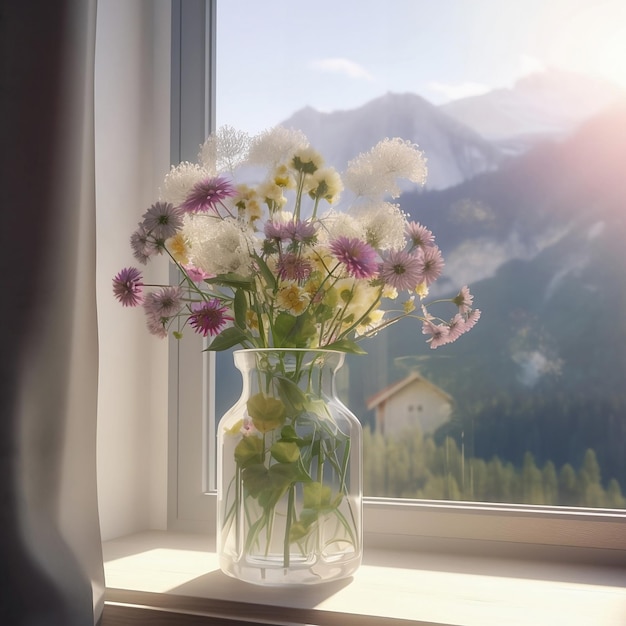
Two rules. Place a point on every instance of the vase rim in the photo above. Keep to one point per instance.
(261, 350)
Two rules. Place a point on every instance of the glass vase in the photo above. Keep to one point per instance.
(289, 472)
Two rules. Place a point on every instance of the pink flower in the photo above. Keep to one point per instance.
(464, 299)
(403, 270)
(127, 286)
(438, 333)
(207, 194)
(195, 273)
(157, 325)
(471, 319)
(432, 264)
(208, 318)
(419, 235)
(456, 327)
(358, 256)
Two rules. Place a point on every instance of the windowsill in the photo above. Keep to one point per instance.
(175, 578)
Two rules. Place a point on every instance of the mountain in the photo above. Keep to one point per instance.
(454, 152)
(543, 105)
(530, 202)
(544, 369)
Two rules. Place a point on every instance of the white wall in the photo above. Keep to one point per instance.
(132, 156)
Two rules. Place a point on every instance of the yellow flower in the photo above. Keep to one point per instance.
(307, 160)
(247, 201)
(283, 177)
(370, 322)
(321, 260)
(253, 210)
(421, 290)
(390, 292)
(325, 183)
(179, 248)
(409, 305)
(272, 194)
(252, 320)
(292, 298)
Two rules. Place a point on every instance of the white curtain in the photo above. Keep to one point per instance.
(50, 552)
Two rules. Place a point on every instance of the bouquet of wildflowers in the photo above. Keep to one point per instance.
(280, 260)
(277, 251)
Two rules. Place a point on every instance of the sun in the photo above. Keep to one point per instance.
(592, 40)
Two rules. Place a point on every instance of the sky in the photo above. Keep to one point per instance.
(275, 57)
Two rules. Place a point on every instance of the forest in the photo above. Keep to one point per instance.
(411, 465)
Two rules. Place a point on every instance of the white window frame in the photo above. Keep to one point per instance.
(542, 532)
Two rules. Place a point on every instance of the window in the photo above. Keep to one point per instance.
(514, 263)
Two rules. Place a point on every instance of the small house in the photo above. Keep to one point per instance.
(410, 402)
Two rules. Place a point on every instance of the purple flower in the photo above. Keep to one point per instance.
(301, 231)
(291, 266)
(209, 317)
(165, 302)
(207, 194)
(127, 286)
(276, 230)
(162, 220)
(358, 256)
(419, 235)
(142, 248)
(402, 270)
(432, 264)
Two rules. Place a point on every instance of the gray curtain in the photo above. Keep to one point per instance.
(50, 553)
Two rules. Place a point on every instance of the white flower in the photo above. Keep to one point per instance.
(218, 246)
(276, 146)
(335, 224)
(376, 173)
(224, 150)
(384, 224)
(180, 180)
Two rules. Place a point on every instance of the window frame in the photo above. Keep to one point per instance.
(528, 531)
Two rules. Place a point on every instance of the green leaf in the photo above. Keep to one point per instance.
(316, 496)
(255, 479)
(227, 339)
(269, 485)
(249, 451)
(346, 345)
(288, 433)
(285, 451)
(240, 307)
(266, 412)
(266, 272)
(293, 332)
(232, 280)
(291, 393)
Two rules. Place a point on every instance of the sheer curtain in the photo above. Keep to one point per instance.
(50, 551)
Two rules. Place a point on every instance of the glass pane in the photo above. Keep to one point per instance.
(520, 110)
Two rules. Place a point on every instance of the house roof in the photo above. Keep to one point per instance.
(389, 391)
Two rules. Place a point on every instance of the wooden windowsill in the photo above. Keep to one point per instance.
(173, 578)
